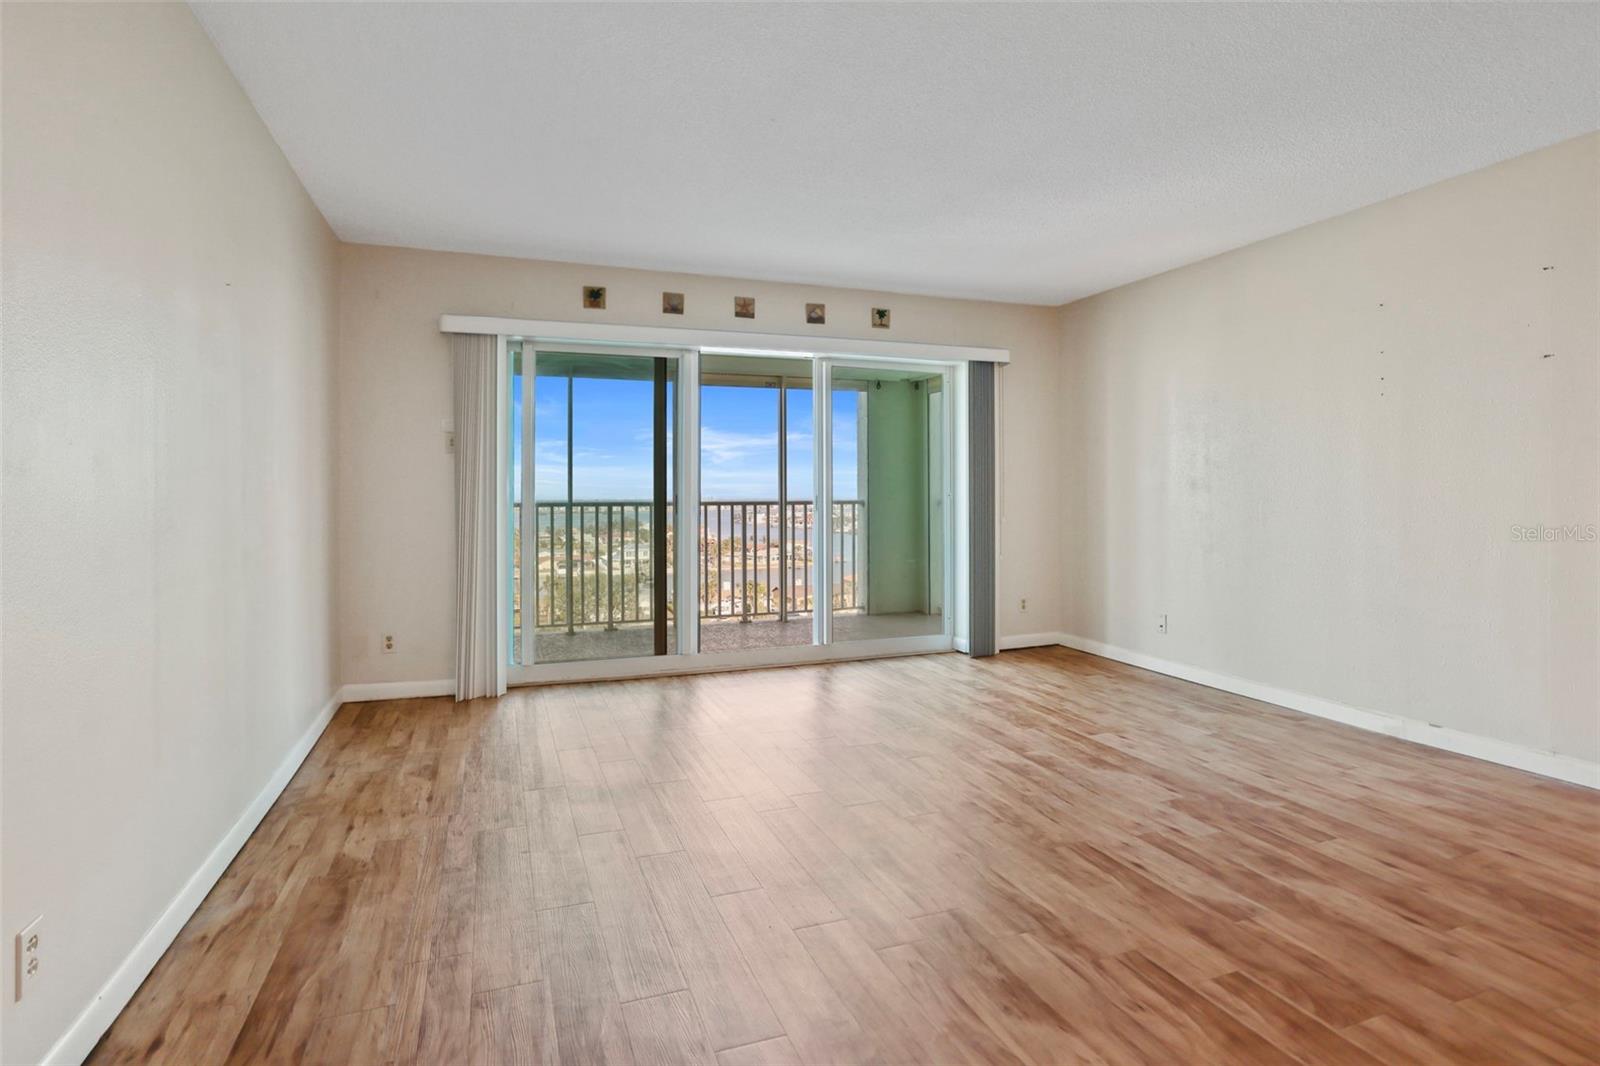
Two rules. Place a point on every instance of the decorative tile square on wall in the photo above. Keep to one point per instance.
(816, 314)
(594, 297)
(880, 318)
(672, 303)
(744, 307)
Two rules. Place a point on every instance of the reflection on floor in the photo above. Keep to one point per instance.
(730, 635)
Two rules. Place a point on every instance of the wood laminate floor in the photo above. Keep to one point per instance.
(1043, 857)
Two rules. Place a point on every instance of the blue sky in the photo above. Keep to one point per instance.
(738, 437)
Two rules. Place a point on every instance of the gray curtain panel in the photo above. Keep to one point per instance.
(981, 496)
(477, 630)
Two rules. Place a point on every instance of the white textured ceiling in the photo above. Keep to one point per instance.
(1026, 153)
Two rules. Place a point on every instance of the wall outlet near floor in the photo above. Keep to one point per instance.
(28, 948)
(1024, 606)
(386, 643)
(1161, 624)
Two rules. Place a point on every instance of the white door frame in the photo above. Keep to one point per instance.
(686, 524)
(951, 518)
(669, 342)
(822, 511)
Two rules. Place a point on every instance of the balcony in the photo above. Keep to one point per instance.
(593, 575)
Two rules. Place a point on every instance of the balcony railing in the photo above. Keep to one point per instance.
(593, 565)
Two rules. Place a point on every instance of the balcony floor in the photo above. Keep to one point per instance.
(730, 634)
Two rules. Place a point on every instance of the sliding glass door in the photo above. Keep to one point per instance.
(757, 504)
(888, 457)
(811, 507)
(592, 506)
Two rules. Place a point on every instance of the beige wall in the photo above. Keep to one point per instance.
(1311, 453)
(396, 532)
(167, 529)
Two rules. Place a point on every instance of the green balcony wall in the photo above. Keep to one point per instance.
(896, 465)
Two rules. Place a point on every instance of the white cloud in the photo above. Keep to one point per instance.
(720, 446)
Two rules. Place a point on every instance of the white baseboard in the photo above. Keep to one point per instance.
(367, 691)
(1027, 640)
(1544, 763)
(1011, 643)
(80, 1039)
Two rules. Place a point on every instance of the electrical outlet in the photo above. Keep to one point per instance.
(1024, 606)
(1161, 624)
(29, 944)
(386, 642)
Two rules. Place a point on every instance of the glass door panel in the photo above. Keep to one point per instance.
(887, 550)
(592, 557)
(757, 503)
